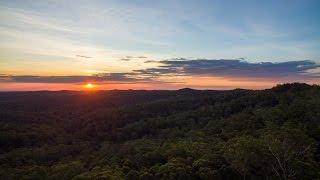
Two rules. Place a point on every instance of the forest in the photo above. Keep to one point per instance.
(161, 134)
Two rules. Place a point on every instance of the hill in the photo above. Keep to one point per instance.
(183, 134)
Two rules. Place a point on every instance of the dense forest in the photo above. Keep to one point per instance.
(183, 134)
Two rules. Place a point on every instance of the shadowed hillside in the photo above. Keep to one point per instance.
(183, 134)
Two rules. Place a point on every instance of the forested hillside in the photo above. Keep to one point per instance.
(183, 134)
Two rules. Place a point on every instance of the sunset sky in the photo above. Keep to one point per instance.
(164, 44)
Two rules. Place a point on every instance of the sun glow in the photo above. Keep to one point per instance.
(89, 86)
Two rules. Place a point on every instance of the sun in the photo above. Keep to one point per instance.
(89, 86)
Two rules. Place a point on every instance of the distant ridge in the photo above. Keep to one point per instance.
(187, 89)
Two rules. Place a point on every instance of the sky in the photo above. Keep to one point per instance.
(164, 44)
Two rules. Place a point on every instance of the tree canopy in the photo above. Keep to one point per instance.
(183, 134)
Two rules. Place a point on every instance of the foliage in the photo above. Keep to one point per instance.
(183, 134)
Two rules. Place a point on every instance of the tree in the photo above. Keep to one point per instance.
(246, 154)
(132, 175)
(291, 151)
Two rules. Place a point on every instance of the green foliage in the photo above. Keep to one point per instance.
(147, 135)
(103, 173)
(247, 155)
(66, 171)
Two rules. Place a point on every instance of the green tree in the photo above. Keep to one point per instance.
(247, 155)
(291, 151)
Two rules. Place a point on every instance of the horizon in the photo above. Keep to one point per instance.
(166, 45)
(183, 88)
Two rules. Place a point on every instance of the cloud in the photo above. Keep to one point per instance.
(150, 61)
(235, 68)
(165, 70)
(125, 59)
(158, 71)
(129, 58)
(82, 56)
(103, 77)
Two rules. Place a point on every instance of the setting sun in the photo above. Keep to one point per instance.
(89, 86)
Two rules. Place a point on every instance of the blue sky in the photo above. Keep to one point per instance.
(256, 30)
(56, 37)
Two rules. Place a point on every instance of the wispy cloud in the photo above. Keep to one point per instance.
(125, 59)
(129, 58)
(82, 56)
(234, 69)
(51, 40)
(103, 77)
